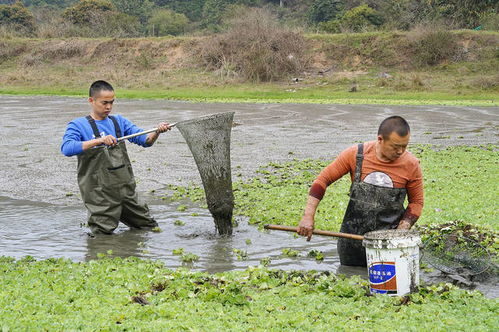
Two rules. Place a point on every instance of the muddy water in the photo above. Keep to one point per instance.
(44, 230)
(41, 211)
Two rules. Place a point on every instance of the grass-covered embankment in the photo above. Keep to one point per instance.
(132, 294)
(383, 67)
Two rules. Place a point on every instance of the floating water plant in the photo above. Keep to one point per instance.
(178, 251)
(317, 254)
(178, 222)
(240, 254)
(189, 257)
(156, 229)
(290, 252)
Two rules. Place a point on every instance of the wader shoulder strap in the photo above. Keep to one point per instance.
(93, 125)
(359, 159)
(116, 126)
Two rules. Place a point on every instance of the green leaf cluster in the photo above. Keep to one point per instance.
(130, 294)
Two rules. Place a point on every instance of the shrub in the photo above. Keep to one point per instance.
(332, 26)
(97, 18)
(83, 12)
(361, 18)
(432, 46)
(255, 48)
(166, 22)
(17, 17)
(358, 19)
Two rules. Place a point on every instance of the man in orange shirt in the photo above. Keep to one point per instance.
(382, 174)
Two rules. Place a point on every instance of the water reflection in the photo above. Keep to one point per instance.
(122, 244)
(219, 255)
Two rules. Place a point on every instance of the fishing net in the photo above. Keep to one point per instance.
(455, 254)
(208, 139)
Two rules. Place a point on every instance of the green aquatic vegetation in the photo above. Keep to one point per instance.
(178, 222)
(248, 241)
(288, 252)
(178, 251)
(265, 261)
(135, 294)
(457, 187)
(156, 229)
(451, 238)
(182, 208)
(240, 254)
(317, 254)
(189, 257)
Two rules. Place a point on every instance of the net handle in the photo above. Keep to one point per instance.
(143, 133)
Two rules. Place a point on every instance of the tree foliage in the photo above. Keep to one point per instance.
(142, 9)
(361, 18)
(166, 22)
(325, 10)
(83, 11)
(193, 9)
(17, 16)
(56, 4)
(214, 11)
(463, 13)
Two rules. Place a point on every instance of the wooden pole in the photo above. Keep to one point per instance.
(316, 231)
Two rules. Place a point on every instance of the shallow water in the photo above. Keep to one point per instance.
(44, 230)
(41, 213)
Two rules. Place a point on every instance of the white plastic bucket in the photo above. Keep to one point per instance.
(392, 261)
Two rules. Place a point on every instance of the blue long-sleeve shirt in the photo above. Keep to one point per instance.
(79, 130)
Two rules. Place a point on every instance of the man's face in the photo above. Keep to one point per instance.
(102, 104)
(393, 147)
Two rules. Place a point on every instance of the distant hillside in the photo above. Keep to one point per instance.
(373, 63)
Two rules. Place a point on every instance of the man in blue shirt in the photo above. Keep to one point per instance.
(105, 174)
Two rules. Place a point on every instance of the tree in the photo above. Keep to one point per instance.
(100, 18)
(213, 12)
(325, 10)
(463, 13)
(361, 18)
(17, 16)
(166, 22)
(193, 9)
(142, 9)
(83, 11)
(49, 3)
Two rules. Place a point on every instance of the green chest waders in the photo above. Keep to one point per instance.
(107, 187)
(370, 208)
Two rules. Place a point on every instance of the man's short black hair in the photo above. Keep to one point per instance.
(394, 124)
(99, 86)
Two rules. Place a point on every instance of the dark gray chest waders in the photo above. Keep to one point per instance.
(370, 208)
(107, 187)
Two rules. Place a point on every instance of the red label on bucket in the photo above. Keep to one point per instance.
(383, 278)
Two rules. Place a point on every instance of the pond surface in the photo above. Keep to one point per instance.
(41, 213)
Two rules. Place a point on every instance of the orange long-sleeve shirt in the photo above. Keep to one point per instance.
(404, 172)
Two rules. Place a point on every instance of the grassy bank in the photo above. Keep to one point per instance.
(133, 294)
(380, 67)
(278, 94)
